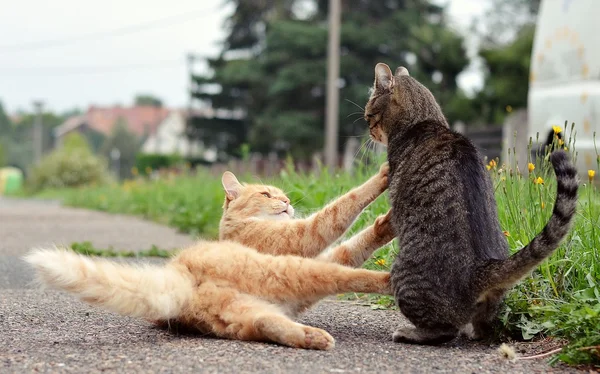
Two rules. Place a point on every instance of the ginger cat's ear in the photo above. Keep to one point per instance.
(400, 71)
(231, 185)
(384, 80)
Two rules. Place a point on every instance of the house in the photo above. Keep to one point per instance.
(170, 136)
(98, 122)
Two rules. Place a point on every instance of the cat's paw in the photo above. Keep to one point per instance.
(383, 226)
(315, 338)
(383, 174)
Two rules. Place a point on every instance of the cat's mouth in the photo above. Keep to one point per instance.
(287, 212)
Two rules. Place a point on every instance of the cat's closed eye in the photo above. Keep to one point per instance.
(266, 194)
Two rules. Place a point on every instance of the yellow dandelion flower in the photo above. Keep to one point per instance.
(506, 233)
(530, 167)
(557, 129)
(380, 262)
(488, 167)
(493, 163)
(543, 205)
(538, 180)
(591, 174)
(561, 142)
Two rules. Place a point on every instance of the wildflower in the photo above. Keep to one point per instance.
(538, 180)
(530, 167)
(561, 142)
(380, 262)
(493, 163)
(543, 205)
(509, 108)
(506, 233)
(557, 129)
(591, 174)
(488, 167)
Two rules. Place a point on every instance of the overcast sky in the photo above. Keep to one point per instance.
(95, 56)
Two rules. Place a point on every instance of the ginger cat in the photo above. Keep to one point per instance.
(231, 290)
(261, 217)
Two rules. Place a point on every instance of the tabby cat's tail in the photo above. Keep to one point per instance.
(151, 292)
(504, 274)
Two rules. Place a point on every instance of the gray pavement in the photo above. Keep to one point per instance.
(49, 331)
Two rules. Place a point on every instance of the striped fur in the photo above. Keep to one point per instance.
(453, 268)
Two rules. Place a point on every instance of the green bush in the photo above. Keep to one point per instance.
(71, 165)
(155, 161)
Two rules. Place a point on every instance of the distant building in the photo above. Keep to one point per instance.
(98, 122)
(170, 136)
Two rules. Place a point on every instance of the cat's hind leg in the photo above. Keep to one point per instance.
(425, 336)
(233, 315)
(484, 319)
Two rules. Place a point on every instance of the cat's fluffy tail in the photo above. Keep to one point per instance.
(504, 274)
(152, 292)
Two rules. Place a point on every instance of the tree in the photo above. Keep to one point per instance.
(506, 80)
(5, 133)
(5, 123)
(128, 145)
(20, 148)
(506, 45)
(147, 100)
(279, 80)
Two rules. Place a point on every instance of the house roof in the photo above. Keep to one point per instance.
(140, 120)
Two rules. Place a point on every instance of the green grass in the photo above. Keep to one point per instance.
(88, 249)
(561, 299)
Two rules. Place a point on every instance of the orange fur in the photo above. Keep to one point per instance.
(266, 223)
(257, 221)
(236, 291)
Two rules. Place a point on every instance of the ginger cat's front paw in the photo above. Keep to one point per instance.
(383, 226)
(382, 176)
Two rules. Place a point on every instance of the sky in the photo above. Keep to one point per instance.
(73, 53)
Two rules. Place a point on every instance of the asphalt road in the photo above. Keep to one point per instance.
(49, 331)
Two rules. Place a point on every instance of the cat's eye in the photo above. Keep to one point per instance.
(370, 115)
(266, 194)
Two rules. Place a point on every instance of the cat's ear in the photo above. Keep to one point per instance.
(400, 71)
(383, 77)
(231, 185)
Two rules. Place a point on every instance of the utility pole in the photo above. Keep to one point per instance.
(333, 74)
(37, 131)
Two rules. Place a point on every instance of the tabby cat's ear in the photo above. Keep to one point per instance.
(231, 185)
(383, 77)
(400, 71)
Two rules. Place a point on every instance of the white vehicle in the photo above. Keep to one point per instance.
(565, 76)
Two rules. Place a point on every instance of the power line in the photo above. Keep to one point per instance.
(74, 70)
(150, 25)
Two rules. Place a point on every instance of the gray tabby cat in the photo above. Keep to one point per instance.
(453, 268)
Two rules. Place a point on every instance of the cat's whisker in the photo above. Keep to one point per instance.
(353, 122)
(358, 106)
(351, 114)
